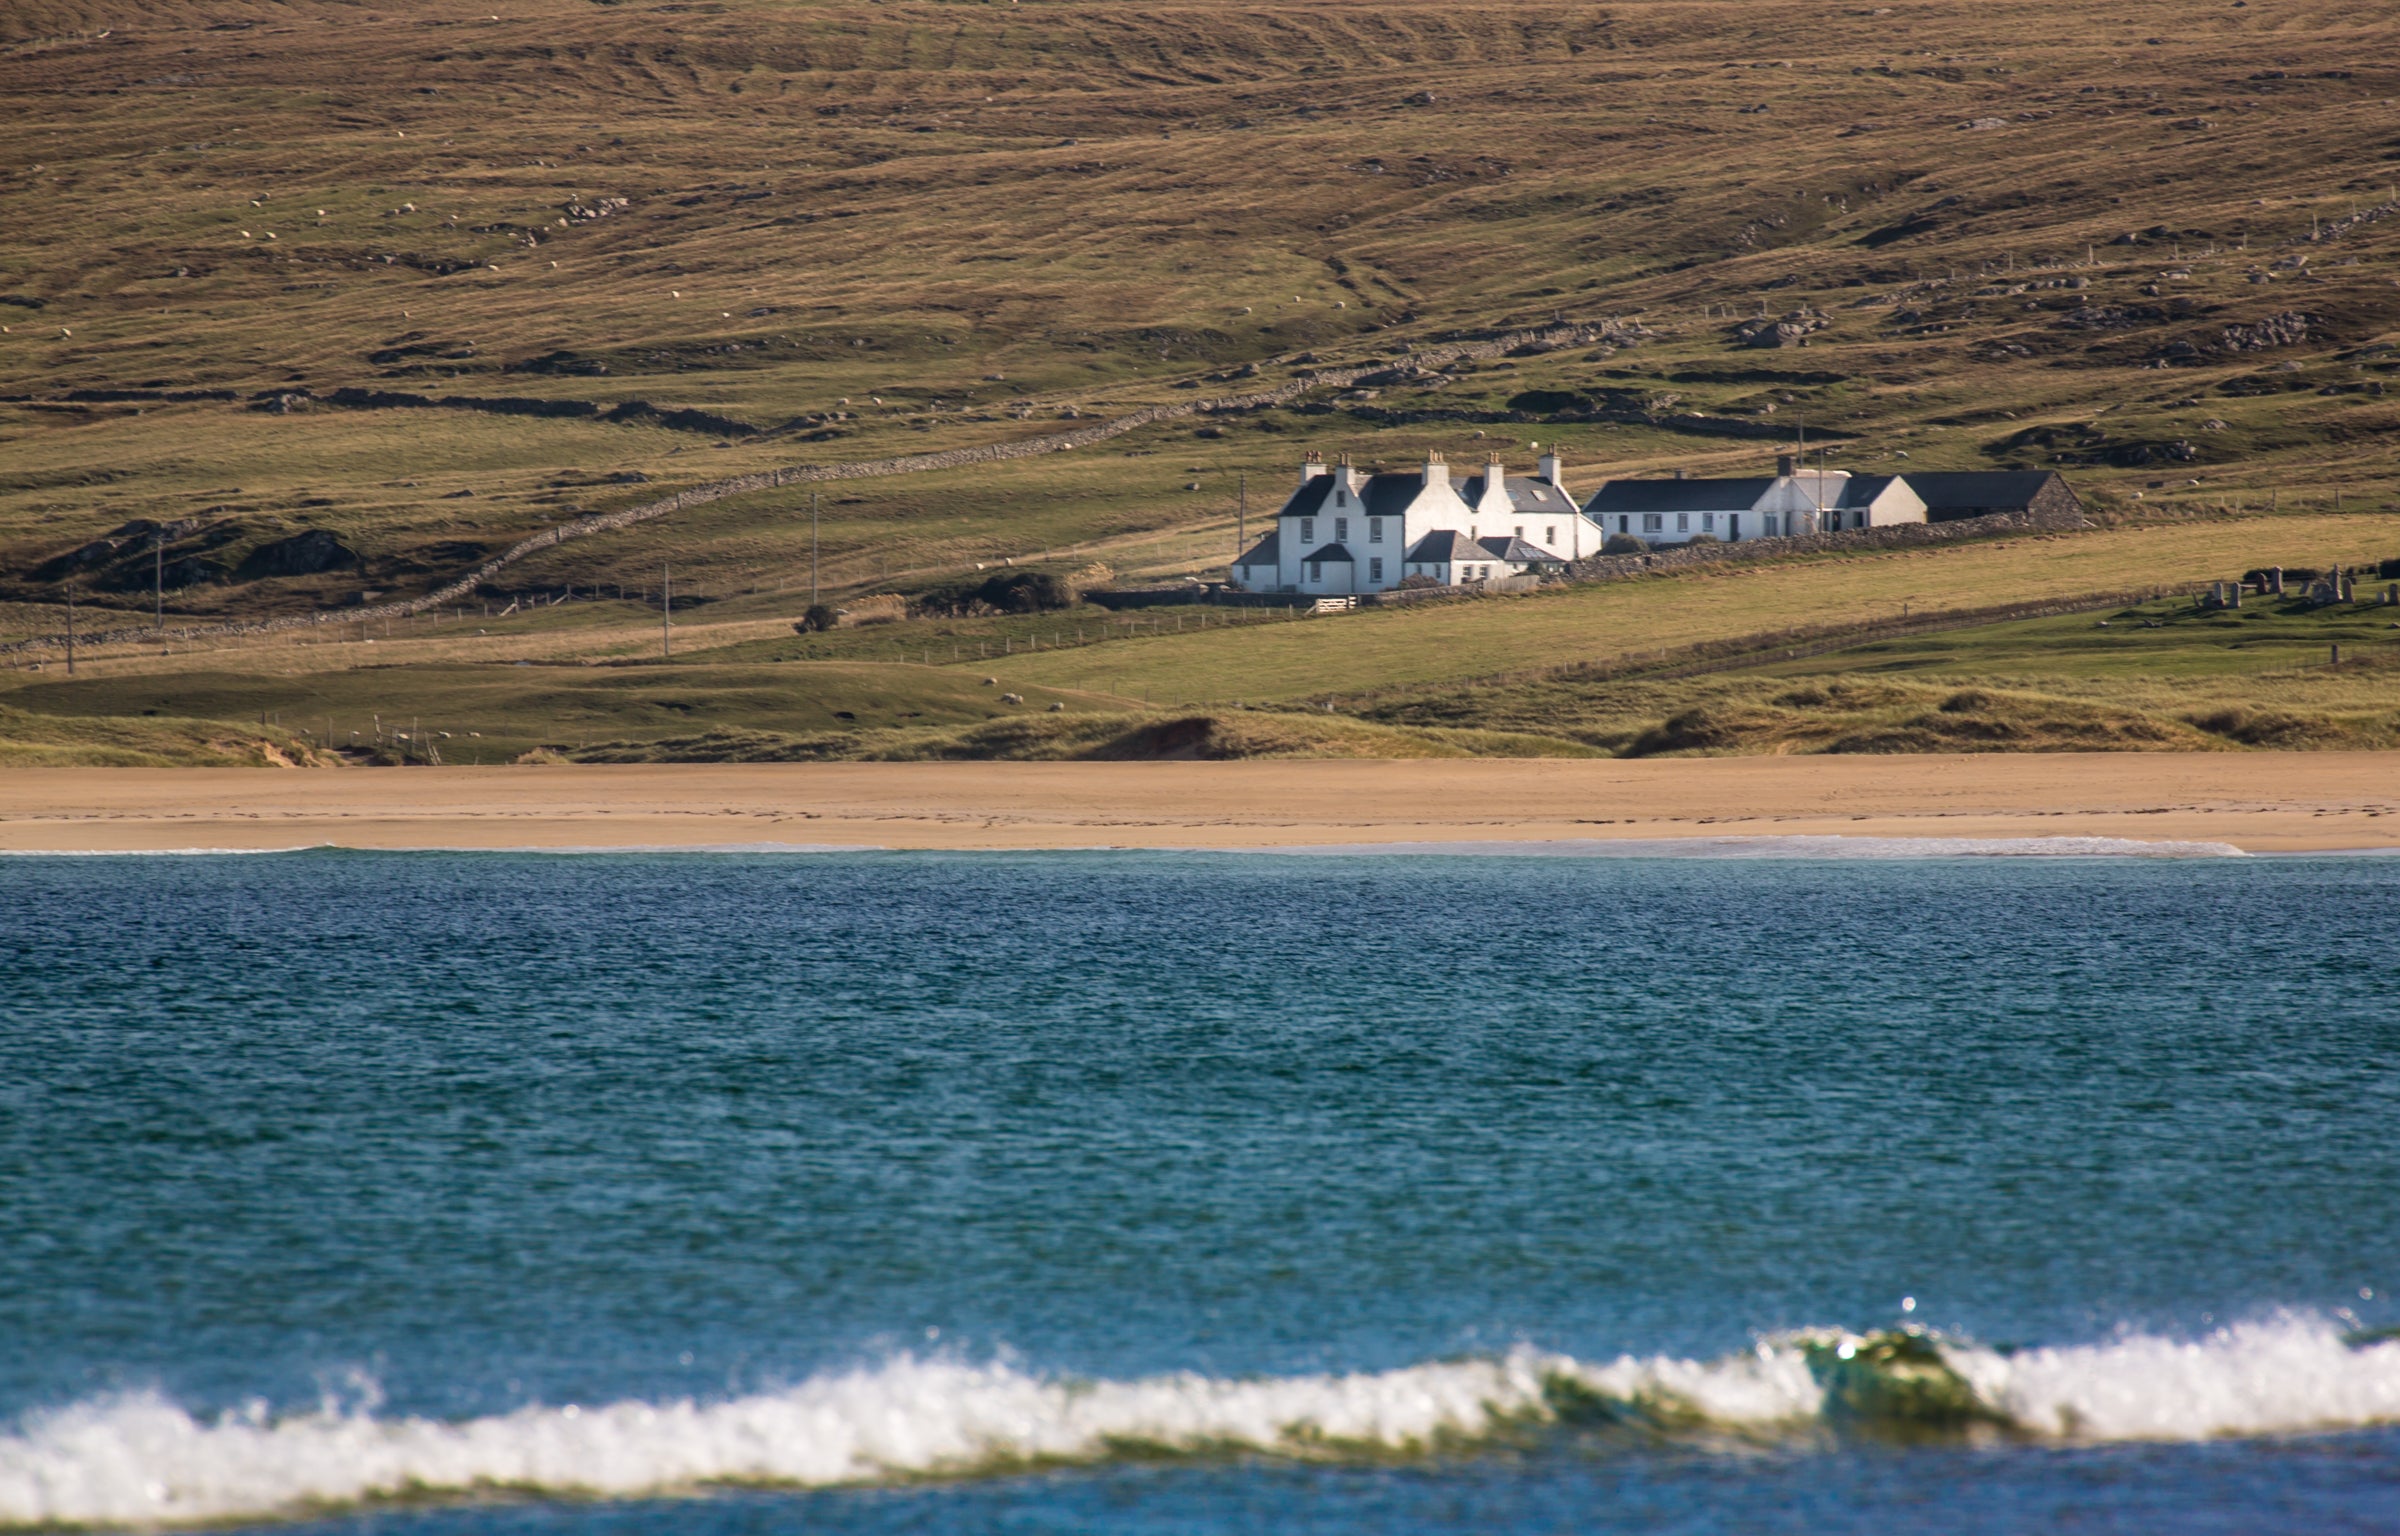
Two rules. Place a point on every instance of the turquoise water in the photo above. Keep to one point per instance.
(1194, 1192)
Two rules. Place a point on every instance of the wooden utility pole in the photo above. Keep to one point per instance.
(812, 549)
(158, 579)
(1241, 527)
(70, 631)
(666, 613)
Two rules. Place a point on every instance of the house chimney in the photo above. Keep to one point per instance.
(1786, 465)
(1679, 474)
(1311, 467)
(1494, 497)
(1437, 470)
(1547, 467)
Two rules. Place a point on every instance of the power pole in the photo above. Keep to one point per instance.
(70, 631)
(158, 579)
(1241, 527)
(666, 613)
(812, 549)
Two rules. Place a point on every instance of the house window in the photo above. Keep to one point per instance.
(1375, 569)
(1683, 522)
(1341, 529)
(1708, 520)
(1308, 530)
(1520, 530)
(1773, 524)
(1374, 530)
(1550, 535)
(1652, 522)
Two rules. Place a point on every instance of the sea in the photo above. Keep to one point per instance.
(1758, 1186)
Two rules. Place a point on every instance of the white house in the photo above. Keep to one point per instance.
(1343, 532)
(1794, 501)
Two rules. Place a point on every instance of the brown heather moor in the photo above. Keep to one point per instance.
(881, 229)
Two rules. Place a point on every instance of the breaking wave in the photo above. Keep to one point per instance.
(143, 1461)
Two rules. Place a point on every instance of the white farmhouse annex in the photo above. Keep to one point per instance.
(1794, 501)
(1343, 532)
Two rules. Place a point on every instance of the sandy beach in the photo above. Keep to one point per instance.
(2259, 802)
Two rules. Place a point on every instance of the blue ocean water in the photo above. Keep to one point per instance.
(1194, 1192)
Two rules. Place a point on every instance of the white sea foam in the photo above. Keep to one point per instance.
(2286, 1376)
(144, 1461)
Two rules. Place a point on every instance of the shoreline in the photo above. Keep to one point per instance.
(2256, 802)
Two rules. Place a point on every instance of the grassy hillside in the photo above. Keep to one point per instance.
(569, 256)
(887, 227)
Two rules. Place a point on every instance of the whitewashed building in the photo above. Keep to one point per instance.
(1342, 532)
(1793, 501)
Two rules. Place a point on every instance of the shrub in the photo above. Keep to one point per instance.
(1417, 581)
(1625, 544)
(1009, 591)
(819, 618)
(1703, 538)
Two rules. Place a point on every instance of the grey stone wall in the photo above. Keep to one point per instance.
(1901, 536)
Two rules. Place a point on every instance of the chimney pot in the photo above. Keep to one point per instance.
(1786, 464)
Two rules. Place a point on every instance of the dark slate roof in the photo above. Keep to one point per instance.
(1518, 550)
(1267, 551)
(1525, 493)
(1861, 490)
(1312, 494)
(1389, 495)
(1332, 554)
(1378, 496)
(1979, 488)
(1678, 496)
(1445, 544)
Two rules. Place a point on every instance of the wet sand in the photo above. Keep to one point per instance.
(2257, 801)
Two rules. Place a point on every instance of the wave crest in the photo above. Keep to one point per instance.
(144, 1461)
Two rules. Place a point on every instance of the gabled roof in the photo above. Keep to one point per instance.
(1331, 554)
(1519, 551)
(1525, 494)
(1313, 493)
(1378, 496)
(1445, 544)
(1678, 495)
(1979, 488)
(1267, 551)
(1861, 490)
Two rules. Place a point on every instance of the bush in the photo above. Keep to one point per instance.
(819, 618)
(1009, 591)
(2388, 570)
(1417, 582)
(1703, 538)
(1625, 544)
